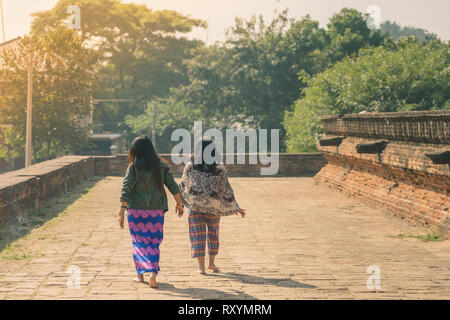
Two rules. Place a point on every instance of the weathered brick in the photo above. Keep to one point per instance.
(291, 165)
(402, 178)
(27, 189)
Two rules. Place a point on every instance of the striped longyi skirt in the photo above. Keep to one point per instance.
(146, 230)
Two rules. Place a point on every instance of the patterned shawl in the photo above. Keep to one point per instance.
(208, 192)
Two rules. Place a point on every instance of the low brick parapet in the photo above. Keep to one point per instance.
(24, 190)
(400, 176)
(430, 127)
(28, 189)
(290, 165)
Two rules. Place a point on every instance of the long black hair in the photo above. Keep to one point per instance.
(200, 146)
(142, 155)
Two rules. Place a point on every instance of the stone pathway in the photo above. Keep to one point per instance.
(299, 241)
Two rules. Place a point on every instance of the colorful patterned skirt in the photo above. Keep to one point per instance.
(146, 229)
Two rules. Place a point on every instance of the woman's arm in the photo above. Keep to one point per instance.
(170, 183)
(123, 207)
(125, 196)
(126, 186)
(179, 208)
(241, 211)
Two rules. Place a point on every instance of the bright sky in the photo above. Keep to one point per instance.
(431, 15)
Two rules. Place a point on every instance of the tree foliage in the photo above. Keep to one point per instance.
(142, 52)
(170, 115)
(281, 74)
(348, 33)
(252, 78)
(397, 31)
(62, 86)
(408, 76)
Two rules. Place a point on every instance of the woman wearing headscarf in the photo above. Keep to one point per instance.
(208, 195)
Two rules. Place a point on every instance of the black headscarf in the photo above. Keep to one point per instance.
(200, 147)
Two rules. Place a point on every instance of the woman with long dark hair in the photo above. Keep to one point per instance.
(144, 197)
(208, 195)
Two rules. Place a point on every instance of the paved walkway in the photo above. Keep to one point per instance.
(299, 241)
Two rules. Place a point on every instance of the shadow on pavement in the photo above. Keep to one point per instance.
(17, 229)
(250, 279)
(203, 293)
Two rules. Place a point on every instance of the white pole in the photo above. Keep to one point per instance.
(28, 147)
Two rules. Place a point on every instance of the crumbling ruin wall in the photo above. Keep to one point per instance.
(397, 161)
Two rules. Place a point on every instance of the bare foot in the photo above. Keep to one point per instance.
(201, 271)
(139, 278)
(214, 268)
(152, 282)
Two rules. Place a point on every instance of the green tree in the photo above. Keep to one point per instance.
(250, 80)
(170, 115)
(11, 143)
(406, 77)
(142, 51)
(253, 78)
(62, 86)
(266, 62)
(348, 33)
(397, 31)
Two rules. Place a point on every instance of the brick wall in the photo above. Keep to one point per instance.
(291, 165)
(24, 190)
(27, 189)
(401, 178)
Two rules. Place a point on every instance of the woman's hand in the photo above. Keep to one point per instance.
(123, 207)
(241, 212)
(121, 219)
(179, 210)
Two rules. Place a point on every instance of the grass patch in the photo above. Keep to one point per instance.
(430, 237)
(45, 217)
(402, 236)
(12, 252)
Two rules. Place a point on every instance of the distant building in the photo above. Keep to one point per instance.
(105, 144)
